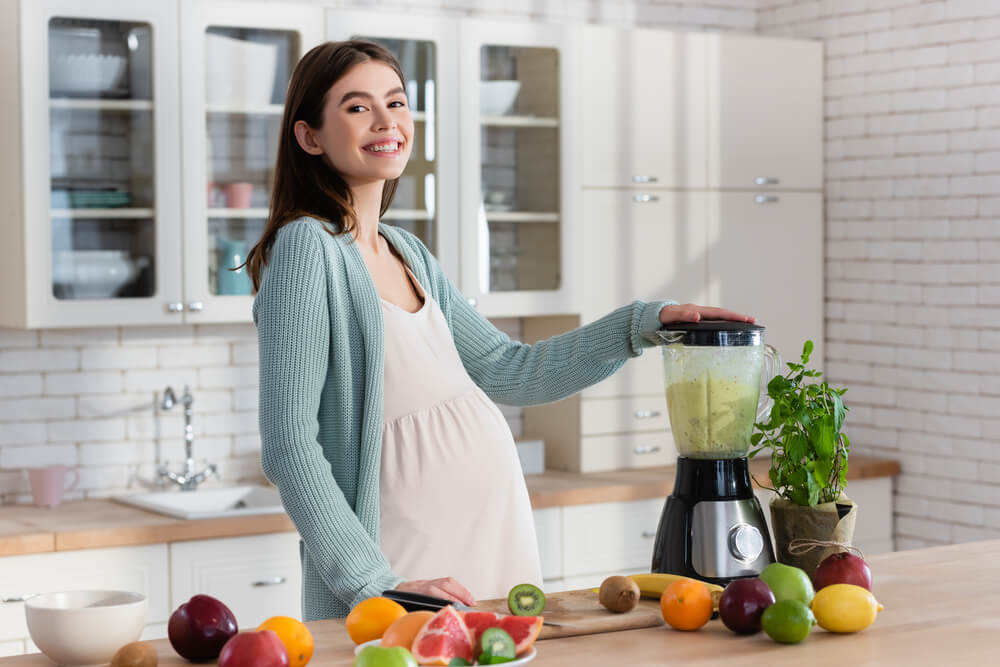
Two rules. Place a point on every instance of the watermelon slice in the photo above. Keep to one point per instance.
(522, 629)
(443, 637)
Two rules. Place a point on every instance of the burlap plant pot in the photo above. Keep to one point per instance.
(831, 523)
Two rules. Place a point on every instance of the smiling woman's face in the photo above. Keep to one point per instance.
(367, 125)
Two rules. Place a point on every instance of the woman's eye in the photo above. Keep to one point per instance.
(356, 108)
(397, 104)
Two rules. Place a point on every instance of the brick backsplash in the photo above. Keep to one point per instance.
(912, 174)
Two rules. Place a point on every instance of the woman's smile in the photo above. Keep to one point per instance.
(389, 148)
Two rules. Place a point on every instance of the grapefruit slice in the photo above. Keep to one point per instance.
(443, 637)
(522, 629)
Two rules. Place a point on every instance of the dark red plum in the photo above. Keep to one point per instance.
(743, 603)
(199, 628)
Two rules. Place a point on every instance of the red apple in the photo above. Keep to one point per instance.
(743, 603)
(254, 649)
(842, 568)
(200, 627)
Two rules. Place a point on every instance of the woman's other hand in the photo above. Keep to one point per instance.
(689, 312)
(446, 588)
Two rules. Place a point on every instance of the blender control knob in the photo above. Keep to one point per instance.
(745, 542)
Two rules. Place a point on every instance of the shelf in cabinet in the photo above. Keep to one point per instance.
(100, 105)
(519, 121)
(407, 214)
(521, 216)
(247, 110)
(238, 212)
(419, 116)
(117, 213)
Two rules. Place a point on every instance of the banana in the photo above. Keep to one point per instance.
(652, 584)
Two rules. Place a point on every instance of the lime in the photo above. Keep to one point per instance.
(787, 621)
(377, 656)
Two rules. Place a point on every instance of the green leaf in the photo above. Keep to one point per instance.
(821, 437)
(807, 351)
(797, 448)
(839, 411)
(813, 493)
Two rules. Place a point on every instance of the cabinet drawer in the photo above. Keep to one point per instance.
(623, 415)
(138, 569)
(605, 537)
(257, 577)
(626, 450)
(548, 529)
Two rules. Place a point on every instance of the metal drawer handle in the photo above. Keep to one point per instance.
(643, 199)
(648, 534)
(15, 598)
(646, 450)
(645, 179)
(273, 581)
(647, 414)
(175, 307)
(766, 180)
(765, 199)
(196, 306)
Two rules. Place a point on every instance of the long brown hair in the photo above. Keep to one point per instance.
(307, 184)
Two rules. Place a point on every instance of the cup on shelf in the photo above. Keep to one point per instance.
(213, 193)
(232, 253)
(238, 195)
(48, 484)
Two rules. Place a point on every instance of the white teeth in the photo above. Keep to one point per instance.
(384, 148)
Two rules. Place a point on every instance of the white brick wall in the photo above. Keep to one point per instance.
(913, 278)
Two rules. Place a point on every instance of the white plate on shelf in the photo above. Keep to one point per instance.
(524, 659)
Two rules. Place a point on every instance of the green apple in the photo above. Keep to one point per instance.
(788, 583)
(378, 656)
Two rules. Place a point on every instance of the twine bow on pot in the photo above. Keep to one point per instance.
(803, 545)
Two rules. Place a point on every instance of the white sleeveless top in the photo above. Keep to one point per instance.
(453, 498)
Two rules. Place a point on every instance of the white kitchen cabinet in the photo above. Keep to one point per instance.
(518, 144)
(257, 577)
(765, 112)
(426, 200)
(548, 531)
(141, 569)
(644, 107)
(602, 537)
(765, 257)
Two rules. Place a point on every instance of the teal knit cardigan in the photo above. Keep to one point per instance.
(319, 323)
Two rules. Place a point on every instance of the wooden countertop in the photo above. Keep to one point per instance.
(940, 608)
(90, 524)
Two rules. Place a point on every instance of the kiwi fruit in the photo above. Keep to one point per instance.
(619, 594)
(136, 654)
(526, 600)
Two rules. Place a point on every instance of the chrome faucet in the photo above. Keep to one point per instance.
(188, 479)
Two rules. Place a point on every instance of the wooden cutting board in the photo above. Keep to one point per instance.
(579, 613)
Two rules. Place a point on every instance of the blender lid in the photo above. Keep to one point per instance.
(709, 333)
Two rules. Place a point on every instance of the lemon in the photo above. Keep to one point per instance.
(845, 608)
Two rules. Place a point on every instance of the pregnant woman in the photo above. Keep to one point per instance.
(377, 378)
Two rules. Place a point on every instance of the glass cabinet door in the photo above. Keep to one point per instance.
(520, 166)
(102, 194)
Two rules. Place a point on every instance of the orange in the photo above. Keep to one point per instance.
(405, 628)
(686, 604)
(370, 618)
(294, 634)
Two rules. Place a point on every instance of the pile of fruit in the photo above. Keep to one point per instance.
(445, 637)
(783, 601)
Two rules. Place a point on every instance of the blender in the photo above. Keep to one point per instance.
(712, 527)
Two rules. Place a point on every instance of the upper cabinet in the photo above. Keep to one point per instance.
(89, 163)
(425, 202)
(765, 112)
(236, 62)
(643, 96)
(518, 167)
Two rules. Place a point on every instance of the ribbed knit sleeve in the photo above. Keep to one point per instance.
(292, 312)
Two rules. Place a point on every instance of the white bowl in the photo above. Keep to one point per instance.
(497, 97)
(239, 72)
(84, 627)
(85, 72)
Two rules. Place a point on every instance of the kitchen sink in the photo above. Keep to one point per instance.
(208, 503)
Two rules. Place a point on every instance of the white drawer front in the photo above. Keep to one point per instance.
(609, 537)
(626, 450)
(642, 375)
(140, 569)
(548, 529)
(604, 416)
(256, 577)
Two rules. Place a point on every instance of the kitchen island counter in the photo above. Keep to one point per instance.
(940, 608)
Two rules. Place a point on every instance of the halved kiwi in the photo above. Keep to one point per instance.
(496, 643)
(526, 600)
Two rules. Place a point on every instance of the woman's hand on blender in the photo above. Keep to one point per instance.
(445, 587)
(690, 312)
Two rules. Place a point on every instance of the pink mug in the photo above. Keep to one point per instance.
(238, 195)
(49, 484)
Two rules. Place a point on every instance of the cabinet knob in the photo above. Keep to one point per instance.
(642, 199)
(270, 581)
(648, 534)
(646, 414)
(196, 306)
(766, 199)
(766, 180)
(645, 179)
(175, 307)
(473, 301)
(646, 450)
